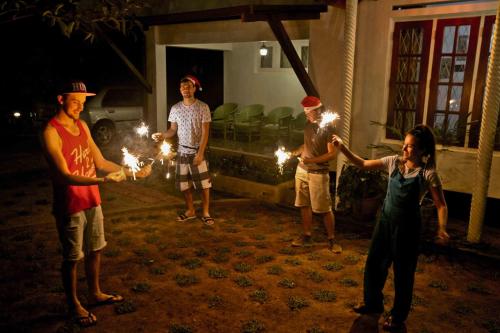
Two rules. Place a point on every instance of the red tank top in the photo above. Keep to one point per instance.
(70, 199)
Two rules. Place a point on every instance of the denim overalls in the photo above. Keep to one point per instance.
(395, 240)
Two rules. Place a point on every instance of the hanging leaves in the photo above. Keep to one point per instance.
(71, 15)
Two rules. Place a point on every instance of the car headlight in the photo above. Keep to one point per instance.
(16, 114)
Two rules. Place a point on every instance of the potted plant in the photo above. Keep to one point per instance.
(361, 191)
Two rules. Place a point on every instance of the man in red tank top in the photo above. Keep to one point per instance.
(73, 158)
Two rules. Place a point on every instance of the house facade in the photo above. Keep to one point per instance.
(415, 61)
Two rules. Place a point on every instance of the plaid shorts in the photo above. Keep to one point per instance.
(188, 175)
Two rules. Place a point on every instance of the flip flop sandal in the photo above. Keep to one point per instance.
(85, 321)
(207, 220)
(184, 218)
(112, 299)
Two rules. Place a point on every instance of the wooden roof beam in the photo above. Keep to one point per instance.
(287, 47)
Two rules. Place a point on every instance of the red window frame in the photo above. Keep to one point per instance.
(393, 83)
(467, 81)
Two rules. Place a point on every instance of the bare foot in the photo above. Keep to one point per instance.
(104, 299)
(82, 317)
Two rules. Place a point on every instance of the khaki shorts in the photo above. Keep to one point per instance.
(81, 233)
(313, 189)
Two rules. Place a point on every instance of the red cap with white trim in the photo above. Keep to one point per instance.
(193, 80)
(310, 103)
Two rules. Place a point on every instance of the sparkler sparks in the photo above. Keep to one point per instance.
(281, 157)
(142, 130)
(328, 118)
(131, 161)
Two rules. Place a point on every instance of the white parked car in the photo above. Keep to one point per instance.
(113, 110)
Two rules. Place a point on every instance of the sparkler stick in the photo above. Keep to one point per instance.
(142, 130)
(282, 156)
(328, 118)
(131, 161)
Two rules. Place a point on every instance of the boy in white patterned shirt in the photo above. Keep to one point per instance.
(190, 121)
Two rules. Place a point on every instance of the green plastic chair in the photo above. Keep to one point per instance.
(277, 123)
(222, 118)
(248, 120)
(297, 127)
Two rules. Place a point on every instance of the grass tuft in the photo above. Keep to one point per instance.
(253, 326)
(287, 283)
(185, 280)
(242, 267)
(215, 301)
(124, 307)
(243, 281)
(192, 263)
(178, 328)
(315, 276)
(333, 266)
(259, 295)
(218, 273)
(141, 287)
(348, 282)
(296, 303)
(325, 296)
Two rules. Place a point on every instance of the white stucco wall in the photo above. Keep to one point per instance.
(245, 83)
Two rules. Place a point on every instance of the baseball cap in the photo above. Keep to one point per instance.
(75, 87)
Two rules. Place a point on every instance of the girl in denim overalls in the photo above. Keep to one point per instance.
(396, 236)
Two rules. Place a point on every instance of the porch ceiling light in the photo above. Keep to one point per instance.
(263, 50)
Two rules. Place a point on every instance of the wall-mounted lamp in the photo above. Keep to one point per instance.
(263, 50)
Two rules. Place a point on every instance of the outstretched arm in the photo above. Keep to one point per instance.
(355, 159)
(171, 132)
(110, 167)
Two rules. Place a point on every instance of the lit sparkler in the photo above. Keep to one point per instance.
(142, 130)
(282, 156)
(131, 161)
(328, 118)
(165, 151)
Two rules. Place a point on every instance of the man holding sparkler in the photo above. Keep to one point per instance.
(312, 181)
(73, 157)
(190, 121)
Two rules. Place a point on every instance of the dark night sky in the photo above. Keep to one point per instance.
(35, 58)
